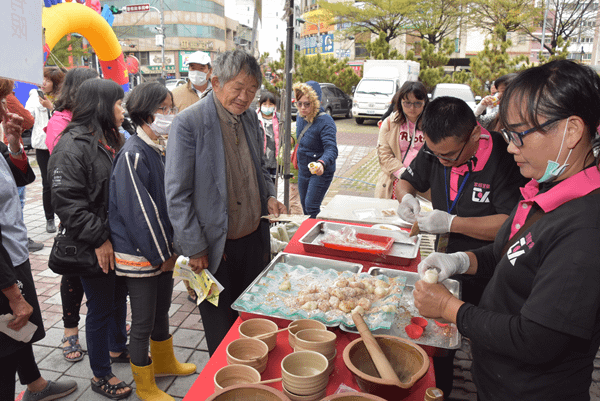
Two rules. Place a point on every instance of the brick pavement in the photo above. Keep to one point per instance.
(357, 171)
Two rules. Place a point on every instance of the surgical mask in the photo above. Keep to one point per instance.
(267, 110)
(553, 169)
(197, 78)
(162, 124)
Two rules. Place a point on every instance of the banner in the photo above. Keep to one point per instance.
(21, 32)
(308, 45)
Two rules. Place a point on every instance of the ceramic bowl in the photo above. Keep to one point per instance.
(331, 363)
(231, 375)
(302, 324)
(296, 397)
(321, 341)
(305, 372)
(409, 361)
(353, 397)
(254, 392)
(255, 327)
(248, 351)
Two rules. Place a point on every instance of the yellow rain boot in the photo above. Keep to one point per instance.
(165, 363)
(145, 386)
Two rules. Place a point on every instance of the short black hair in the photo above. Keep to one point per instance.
(448, 116)
(266, 96)
(144, 100)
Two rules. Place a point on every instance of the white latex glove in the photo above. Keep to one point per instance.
(435, 222)
(409, 208)
(448, 264)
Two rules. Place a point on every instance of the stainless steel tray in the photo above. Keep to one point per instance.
(295, 260)
(435, 336)
(400, 253)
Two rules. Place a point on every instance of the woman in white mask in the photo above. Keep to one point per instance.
(143, 237)
(269, 122)
(536, 330)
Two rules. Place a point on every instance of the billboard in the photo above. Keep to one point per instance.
(308, 45)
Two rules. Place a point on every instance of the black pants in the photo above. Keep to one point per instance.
(71, 294)
(42, 156)
(150, 299)
(242, 262)
(21, 362)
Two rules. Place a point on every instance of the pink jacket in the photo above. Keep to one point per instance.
(275, 132)
(58, 122)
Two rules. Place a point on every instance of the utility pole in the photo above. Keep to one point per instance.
(289, 65)
(163, 74)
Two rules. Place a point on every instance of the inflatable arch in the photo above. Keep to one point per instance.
(64, 18)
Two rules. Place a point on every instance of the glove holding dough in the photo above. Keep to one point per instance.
(409, 208)
(435, 222)
(447, 264)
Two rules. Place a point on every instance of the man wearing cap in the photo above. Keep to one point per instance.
(198, 81)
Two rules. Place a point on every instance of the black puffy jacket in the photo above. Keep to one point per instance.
(79, 170)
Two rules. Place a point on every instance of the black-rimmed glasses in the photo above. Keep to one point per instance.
(449, 159)
(517, 137)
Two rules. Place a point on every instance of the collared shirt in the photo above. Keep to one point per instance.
(158, 145)
(14, 232)
(491, 188)
(243, 207)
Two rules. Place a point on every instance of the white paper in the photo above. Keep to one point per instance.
(24, 335)
(22, 48)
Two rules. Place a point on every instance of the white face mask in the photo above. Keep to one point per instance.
(267, 110)
(197, 78)
(162, 124)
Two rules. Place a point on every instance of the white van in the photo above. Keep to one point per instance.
(381, 80)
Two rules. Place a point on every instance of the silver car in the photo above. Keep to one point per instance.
(461, 91)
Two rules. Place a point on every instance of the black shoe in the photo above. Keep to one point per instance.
(34, 246)
(50, 226)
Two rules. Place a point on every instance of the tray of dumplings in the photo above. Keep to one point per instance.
(408, 323)
(304, 287)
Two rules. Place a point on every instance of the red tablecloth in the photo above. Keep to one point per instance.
(204, 384)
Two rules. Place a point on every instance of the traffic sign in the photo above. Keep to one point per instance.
(137, 7)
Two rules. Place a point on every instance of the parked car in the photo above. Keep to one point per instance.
(174, 83)
(460, 91)
(334, 101)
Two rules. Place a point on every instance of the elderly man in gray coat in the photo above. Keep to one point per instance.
(218, 187)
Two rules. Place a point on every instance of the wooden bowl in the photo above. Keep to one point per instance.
(302, 324)
(410, 362)
(305, 372)
(254, 327)
(231, 375)
(296, 397)
(321, 341)
(248, 351)
(255, 392)
(353, 397)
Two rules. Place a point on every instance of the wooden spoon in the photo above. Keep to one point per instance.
(379, 359)
(272, 332)
(269, 381)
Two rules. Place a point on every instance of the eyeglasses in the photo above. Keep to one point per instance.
(449, 159)
(303, 104)
(416, 105)
(517, 137)
(168, 110)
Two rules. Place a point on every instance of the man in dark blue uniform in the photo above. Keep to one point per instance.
(474, 186)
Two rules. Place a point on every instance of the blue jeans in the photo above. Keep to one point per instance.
(105, 320)
(312, 189)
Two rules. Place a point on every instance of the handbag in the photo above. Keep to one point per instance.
(72, 257)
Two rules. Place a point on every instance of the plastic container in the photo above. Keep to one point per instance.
(379, 241)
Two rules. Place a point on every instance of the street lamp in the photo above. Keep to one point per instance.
(303, 21)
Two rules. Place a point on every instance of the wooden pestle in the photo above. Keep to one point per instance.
(379, 359)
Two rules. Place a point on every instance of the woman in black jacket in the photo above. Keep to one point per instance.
(79, 169)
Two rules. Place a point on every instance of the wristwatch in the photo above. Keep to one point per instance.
(17, 153)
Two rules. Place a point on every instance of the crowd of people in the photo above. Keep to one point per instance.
(515, 197)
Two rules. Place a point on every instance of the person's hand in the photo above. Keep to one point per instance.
(275, 207)
(46, 103)
(409, 208)
(198, 264)
(106, 256)
(431, 299)
(11, 124)
(448, 264)
(169, 264)
(316, 168)
(20, 307)
(435, 222)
